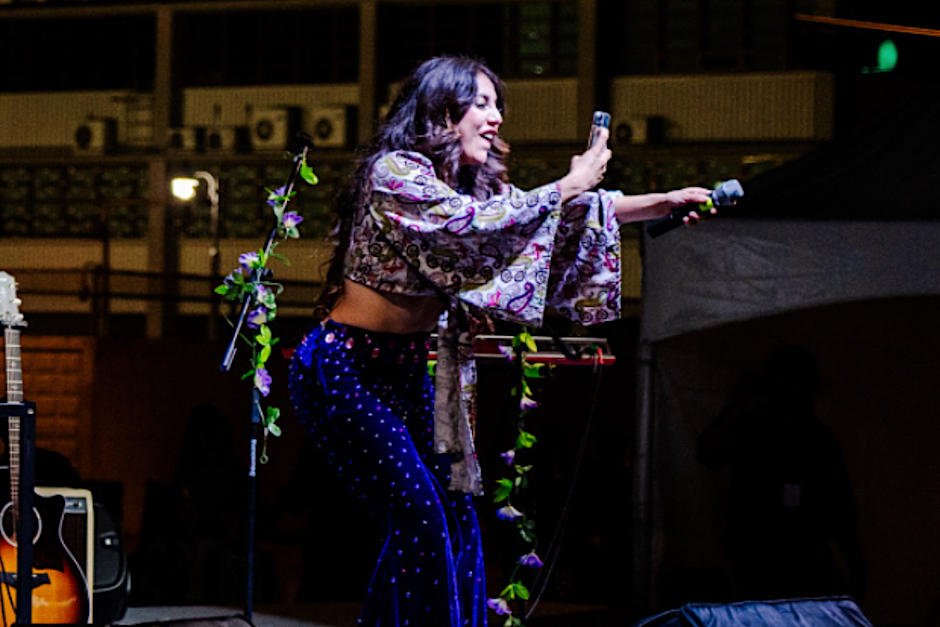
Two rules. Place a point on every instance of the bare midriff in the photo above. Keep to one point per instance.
(385, 312)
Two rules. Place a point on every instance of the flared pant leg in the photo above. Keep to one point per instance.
(368, 402)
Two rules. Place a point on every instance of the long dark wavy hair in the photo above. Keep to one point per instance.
(423, 118)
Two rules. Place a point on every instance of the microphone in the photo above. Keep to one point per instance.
(724, 195)
(600, 119)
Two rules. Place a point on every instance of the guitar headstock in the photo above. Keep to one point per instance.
(10, 315)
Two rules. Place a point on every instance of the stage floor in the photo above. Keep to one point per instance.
(313, 615)
(343, 615)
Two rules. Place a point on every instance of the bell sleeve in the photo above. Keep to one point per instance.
(584, 283)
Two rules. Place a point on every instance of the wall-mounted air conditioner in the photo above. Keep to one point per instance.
(273, 128)
(186, 139)
(331, 126)
(95, 136)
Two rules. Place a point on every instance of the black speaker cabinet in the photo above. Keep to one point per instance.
(818, 612)
(112, 578)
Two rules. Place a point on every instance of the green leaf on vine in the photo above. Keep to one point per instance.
(533, 371)
(529, 342)
(525, 440)
(271, 416)
(503, 490)
(515, 590)
(307, 174)
(281, 257)
(263, 355)
(524, 338)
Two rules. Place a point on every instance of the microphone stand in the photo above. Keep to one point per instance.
(258, 275)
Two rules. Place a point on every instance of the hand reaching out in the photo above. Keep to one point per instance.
(691, 196)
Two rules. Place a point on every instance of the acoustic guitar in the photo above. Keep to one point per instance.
(60, 593)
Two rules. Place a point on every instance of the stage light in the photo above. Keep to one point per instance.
(184, 188)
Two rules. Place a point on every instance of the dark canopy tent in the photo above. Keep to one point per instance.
(836, 252)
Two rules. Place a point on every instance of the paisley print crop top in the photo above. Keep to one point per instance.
(511, 254)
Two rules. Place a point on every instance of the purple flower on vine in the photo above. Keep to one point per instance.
(257, 317)
(263, 381)
(507, 352)
(526, 403)
(265, 297)
(274, 198)
(292, 219)
(509, 456)
(531, 560)
(508, 512)
(230, 277)
(248, 260)
(500, 606)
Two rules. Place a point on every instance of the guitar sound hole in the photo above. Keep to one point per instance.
(8, 528)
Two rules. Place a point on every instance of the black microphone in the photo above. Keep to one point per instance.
(724, 195)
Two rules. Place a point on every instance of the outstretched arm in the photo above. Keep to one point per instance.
(658, 205)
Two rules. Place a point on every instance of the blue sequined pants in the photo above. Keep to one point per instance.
(367, 401)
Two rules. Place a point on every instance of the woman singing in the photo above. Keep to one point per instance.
(431, 234)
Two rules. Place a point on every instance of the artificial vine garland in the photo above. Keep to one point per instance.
(250, 280)
(516, 593)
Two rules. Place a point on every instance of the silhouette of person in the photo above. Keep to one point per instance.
(192, 538)
(791, 528)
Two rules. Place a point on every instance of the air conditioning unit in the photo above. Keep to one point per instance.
(331, 127)
(186, 139)
(96, 136)
(272, 129)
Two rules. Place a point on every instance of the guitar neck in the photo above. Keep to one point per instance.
(14, 375)
(13, 365)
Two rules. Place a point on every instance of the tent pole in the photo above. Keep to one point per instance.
(642, 489)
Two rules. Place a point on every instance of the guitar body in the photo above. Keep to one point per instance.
(64, 599)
